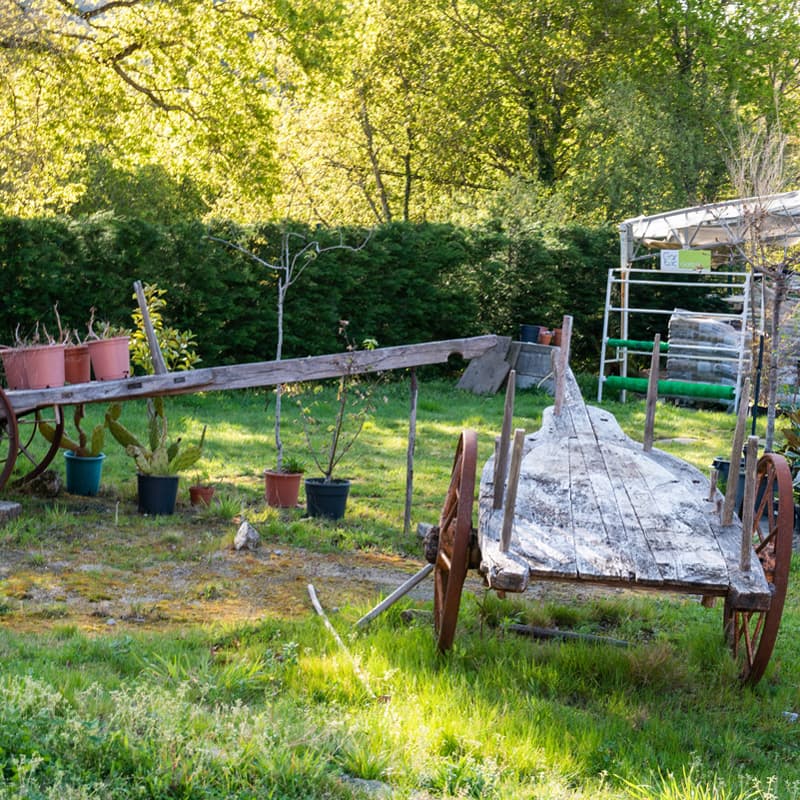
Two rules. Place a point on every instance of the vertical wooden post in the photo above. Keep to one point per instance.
(412, 441)
(159, 367)
(501, 458)
(562, 364)
(749, 501)
(736, 455)
(511, 495)
(712, 483)
(652, 394)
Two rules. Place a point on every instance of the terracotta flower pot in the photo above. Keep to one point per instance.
(14, 367)
(545, 336)
(77, 364)
(200, 495)
(281, 489)
(556, 342)
(111, 359)
(44, 366)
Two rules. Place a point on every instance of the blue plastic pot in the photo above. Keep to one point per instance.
(529, 333)
(83, 473)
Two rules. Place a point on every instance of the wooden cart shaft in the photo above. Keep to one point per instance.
(258, 374)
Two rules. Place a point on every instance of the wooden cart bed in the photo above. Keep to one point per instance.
(593, 506)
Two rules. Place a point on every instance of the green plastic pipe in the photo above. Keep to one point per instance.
(681, 388)
(637, 344)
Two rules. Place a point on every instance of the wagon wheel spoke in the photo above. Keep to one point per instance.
(35, 453)
(455, 528)
(752, 634)
(9, 439)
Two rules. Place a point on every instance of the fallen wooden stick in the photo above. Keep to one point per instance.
(401, 590)
(356, 667)
(554, 633)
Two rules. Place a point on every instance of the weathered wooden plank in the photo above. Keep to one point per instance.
(681, 543)
(605, 526)
(746, 590)
(542, 516)
(262, 373)
(486, 373)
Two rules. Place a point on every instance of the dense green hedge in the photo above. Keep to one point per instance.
(410, 283)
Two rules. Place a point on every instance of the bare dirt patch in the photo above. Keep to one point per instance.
(224, 586)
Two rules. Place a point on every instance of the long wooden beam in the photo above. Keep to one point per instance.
(261, 373)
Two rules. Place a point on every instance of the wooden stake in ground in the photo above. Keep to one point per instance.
(511, 494)
(159, 367)
(736, 456)
(501, 456)
(412, 443)
(652, 395)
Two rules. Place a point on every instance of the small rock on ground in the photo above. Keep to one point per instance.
(247, 537)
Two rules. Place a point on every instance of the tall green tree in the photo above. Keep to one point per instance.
(178, 95)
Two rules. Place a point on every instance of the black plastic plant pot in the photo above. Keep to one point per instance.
(326, 499)
(157, 493)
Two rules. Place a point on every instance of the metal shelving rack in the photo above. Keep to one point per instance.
(621, 288)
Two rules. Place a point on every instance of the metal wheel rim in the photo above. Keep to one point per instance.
(752, 634)
(25, 454)
(9, 439)
(455, 528)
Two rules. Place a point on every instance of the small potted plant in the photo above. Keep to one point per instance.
(282, 484)
(77, 362)
(201, 490)
(36, 362)
(159, 461)
(109, 350)
(84, 455)
(329, 442)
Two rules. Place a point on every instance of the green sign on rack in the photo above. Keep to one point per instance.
(689, 260)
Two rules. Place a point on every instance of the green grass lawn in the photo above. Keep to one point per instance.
(212, 706)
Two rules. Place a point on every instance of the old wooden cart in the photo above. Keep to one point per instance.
(22, 410)
(580, 501)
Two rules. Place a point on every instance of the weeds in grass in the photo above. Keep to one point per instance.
(224, 505)
(686, 787)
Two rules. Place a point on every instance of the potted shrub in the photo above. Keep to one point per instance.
(158, 462)
(282, 485)
(297, 251)
(329, 442)
(77, 362)
(84, 455)
(109, 350)
(36, 362)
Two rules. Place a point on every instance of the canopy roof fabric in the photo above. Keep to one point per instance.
(775, 219)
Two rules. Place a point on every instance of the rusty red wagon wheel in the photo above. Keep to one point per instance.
(9, 439)
(35, 453)
(752, 634)
(455, 528)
